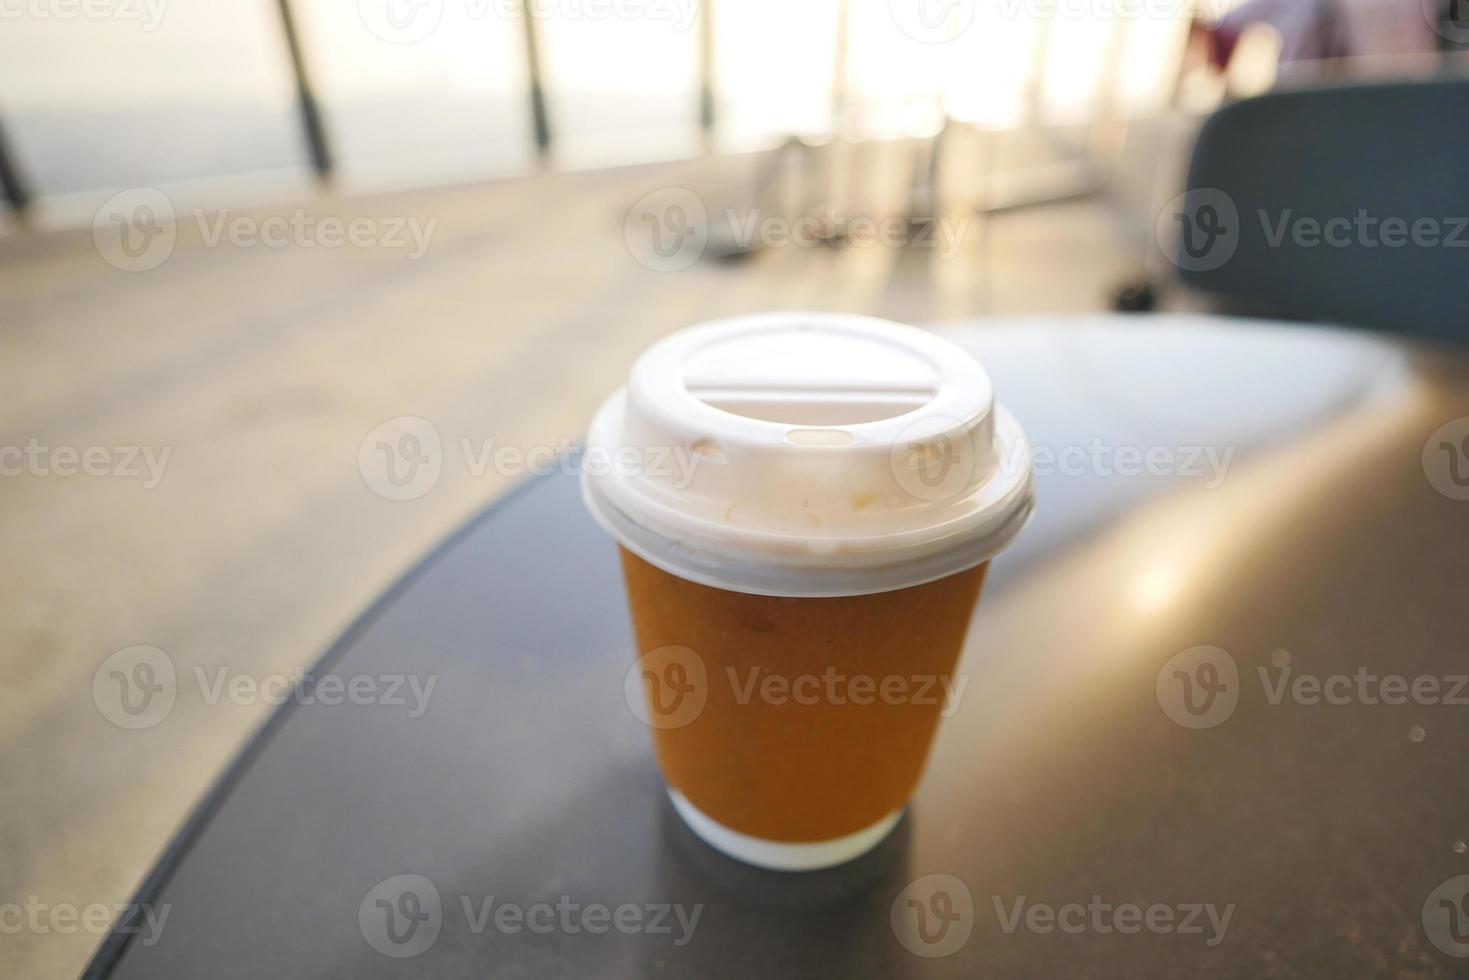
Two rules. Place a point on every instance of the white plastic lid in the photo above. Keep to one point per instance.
(807, 454)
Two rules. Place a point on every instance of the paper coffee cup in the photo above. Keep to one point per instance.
(805, 504)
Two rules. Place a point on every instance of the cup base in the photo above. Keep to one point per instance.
(781, 855)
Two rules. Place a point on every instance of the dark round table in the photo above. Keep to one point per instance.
(1182, 750)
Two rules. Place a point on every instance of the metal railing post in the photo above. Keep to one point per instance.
(540, 118)
(311, 120)
(17, 195)
(706, 70)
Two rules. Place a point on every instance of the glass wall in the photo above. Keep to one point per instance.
(156, 92)
(420, 91)
(621, 79)
(775, 65)
(151, 92)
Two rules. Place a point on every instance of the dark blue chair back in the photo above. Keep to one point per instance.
(1348, 205)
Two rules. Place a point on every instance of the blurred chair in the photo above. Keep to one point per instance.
(1291, 162)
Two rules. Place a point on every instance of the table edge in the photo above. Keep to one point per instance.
(110, 952)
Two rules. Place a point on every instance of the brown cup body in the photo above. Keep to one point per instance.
(795, 720)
